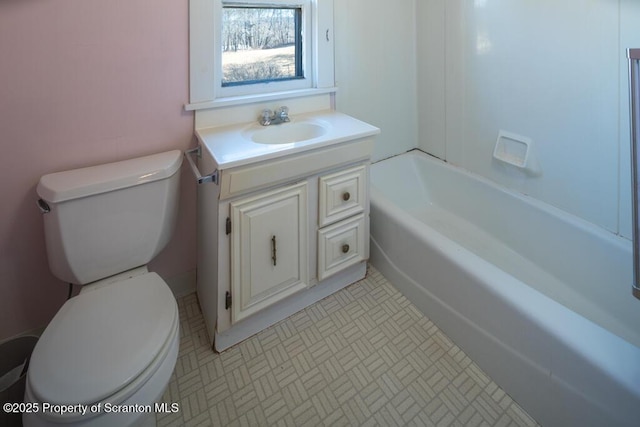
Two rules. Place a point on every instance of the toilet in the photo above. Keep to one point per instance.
(109, 352)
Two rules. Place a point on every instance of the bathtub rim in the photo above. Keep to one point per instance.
(581, 223)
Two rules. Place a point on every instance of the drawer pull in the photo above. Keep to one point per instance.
(346, 196)
(345, 248)
(273, 250)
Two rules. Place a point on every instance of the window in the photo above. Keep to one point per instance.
(261, 44)
(241, 50)
(264, 47)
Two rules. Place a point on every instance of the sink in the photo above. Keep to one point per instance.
(287, 133)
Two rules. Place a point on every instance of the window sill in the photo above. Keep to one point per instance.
(251, 99)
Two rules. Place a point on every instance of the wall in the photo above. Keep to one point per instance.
(376, 69)
(554, 71)
(84, 82)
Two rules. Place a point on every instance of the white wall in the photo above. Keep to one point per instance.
(554, 71)
(375, 55)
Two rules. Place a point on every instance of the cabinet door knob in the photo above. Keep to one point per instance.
(346, 196)
(345, 248)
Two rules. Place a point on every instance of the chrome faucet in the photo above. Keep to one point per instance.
(268, 117)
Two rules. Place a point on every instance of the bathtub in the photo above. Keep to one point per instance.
(539, 299)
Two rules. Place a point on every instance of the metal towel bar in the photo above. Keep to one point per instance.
(634, 104)
(202, 179)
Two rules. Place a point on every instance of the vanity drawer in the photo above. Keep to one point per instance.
(245, 179)
(342, 194)
(342, 245)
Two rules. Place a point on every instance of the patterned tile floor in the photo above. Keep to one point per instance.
(363, 356)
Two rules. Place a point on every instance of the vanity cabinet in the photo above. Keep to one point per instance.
(281, 229)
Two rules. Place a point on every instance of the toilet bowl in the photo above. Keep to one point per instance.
(108, 354)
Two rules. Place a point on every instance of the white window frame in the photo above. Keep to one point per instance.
(205, 48)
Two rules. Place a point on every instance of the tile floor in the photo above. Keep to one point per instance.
(363, 356)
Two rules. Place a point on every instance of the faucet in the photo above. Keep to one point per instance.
(281, 115)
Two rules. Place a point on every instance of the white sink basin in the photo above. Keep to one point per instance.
(287, 133)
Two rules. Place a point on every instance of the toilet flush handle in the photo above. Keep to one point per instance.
(44, 207)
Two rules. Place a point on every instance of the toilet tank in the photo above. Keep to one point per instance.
(103, 220)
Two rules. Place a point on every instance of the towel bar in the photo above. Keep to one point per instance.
(201, 179)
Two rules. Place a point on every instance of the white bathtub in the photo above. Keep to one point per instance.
(540, 299)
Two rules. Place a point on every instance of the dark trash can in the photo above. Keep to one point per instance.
(14, 361)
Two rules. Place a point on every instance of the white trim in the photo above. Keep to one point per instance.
(323, 44)
(205, 78)
(239, 100)
(201, 55)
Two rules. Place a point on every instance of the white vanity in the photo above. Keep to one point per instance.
(285, 220)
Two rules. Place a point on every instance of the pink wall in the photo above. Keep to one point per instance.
(83, 82)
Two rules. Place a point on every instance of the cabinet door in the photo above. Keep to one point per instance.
(268, 249)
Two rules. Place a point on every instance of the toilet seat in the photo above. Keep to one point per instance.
(105, 344)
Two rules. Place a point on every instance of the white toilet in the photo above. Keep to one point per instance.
(110, 351)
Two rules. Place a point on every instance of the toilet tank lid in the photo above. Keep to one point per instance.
(76, 183)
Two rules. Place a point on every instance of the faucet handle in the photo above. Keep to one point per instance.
(283, 113)
(265, 117)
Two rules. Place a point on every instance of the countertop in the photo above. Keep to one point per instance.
(231, 147)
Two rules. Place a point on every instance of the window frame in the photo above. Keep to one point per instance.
(205, 48)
